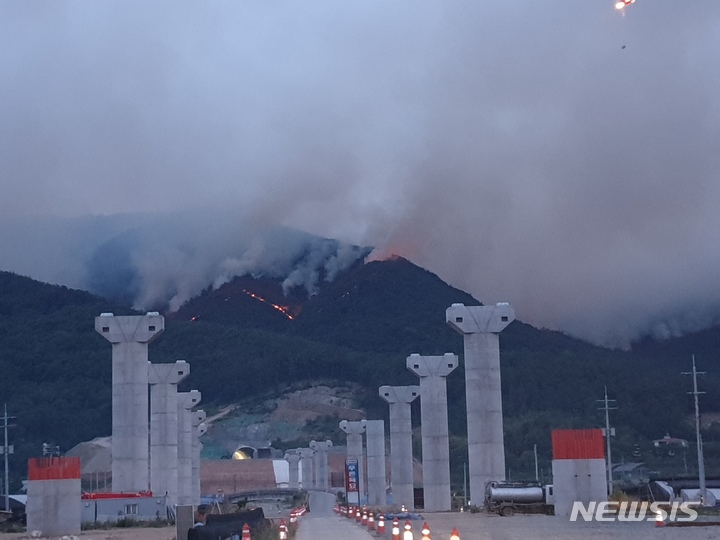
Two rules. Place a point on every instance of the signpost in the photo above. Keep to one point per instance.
(352, 482)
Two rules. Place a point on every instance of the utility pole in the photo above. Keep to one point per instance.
(6, 451)
(537, 478)
(698, 437)
(608, 433)
(465, 501)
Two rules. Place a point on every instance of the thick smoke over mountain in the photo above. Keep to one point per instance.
(560, 157)
(163, 261)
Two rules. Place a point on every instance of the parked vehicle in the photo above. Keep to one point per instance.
(506, 498)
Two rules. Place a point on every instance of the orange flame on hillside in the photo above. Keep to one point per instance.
(282, 309)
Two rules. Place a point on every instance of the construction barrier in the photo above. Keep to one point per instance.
(246, 532)
(293, 518)
(381, 524)
(455, 535)
(408, 534)
(425, 532)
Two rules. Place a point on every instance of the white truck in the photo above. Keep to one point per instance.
(506, 498)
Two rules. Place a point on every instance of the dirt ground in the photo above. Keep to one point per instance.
(132, 533)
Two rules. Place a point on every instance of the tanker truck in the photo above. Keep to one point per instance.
(506, 498)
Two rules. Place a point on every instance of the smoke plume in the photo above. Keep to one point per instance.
(562, 157)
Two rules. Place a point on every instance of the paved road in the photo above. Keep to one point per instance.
(321, 523)
(535, 527)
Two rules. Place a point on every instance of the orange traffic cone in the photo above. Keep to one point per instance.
(395, 530)
(358, 515)
(381, 524)
(246, 532)
(364, 519)
(659, 521)
(371, 522)
(455, 535)
(408, 534)
(283, 532)
(425, 532)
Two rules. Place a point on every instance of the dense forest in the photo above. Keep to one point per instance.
(55, 370)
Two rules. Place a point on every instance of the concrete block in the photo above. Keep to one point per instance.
(322, 477)
(197, 419)
(163, 379)
(377, 479)
(582, 480)
(354, 431)
(432, 371)
(186, 402)
(54, 507)
(306, 467)
(293, 460)
(480, 326)
(401, 457)
(130, 336)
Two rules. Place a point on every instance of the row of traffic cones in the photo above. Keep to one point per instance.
(282, 530)
(377, 526)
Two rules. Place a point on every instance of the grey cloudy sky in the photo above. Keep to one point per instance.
(513, 147)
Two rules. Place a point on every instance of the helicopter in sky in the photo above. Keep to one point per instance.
(622, 4)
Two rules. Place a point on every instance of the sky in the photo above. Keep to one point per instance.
(564, 157)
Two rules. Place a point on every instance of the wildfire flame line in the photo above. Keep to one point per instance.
(282, 309)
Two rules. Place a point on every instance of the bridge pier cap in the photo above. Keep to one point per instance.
(432, 366)
(137, 328)
(480, 319)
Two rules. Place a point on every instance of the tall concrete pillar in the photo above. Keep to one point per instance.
(432, 371)
(322, 478)
(163, 379)
(293, 460)
(306, 467)
(354, 431)
(377, 480)
(480, 326)
(199, 429)
(130, 337)
(401, 456)
(186, 401)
